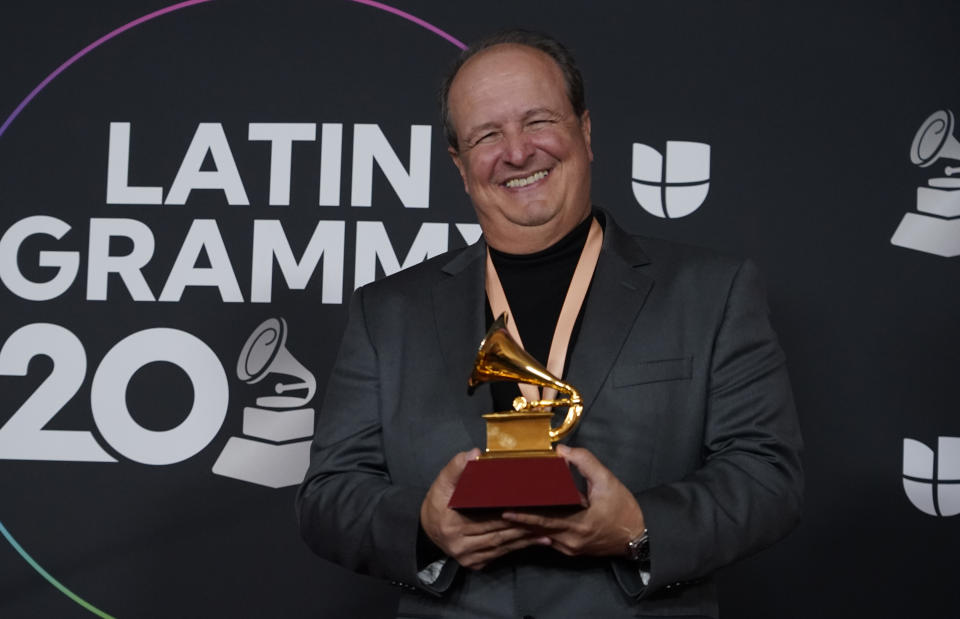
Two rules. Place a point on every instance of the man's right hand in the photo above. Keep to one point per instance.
(473, 541)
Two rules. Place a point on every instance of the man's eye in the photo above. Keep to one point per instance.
(539, 123)
(486, 138)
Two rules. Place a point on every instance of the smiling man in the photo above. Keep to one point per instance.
(522, 149)
(689, 443)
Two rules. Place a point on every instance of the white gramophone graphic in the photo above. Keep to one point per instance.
(935, 229)
(281, 426)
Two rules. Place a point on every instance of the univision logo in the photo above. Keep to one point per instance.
(674, 185)
(932, 480)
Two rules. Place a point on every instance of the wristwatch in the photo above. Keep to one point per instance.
(638, 549)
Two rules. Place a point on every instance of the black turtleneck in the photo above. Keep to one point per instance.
(536, 285)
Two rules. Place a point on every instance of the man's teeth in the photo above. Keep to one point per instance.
(523, 182)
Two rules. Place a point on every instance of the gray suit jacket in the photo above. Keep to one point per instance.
(687, 402)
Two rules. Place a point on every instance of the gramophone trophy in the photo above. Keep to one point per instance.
(519, 467)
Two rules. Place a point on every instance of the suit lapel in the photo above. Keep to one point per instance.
(458, 309)
(617, 294)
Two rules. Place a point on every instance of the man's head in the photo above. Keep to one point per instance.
(572, 78)
(520, 136)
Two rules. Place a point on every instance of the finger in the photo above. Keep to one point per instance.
(476, 545)
(571, 542)
(480, 559)
(459, 461)
(495, 539)
(450, 473)
(563, 548)
(536, 520)
(487, 526)
(587, 464)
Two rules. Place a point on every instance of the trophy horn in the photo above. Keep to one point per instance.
(501, 358)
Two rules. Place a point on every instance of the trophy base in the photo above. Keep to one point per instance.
(498, 482)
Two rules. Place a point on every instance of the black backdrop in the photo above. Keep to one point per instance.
(809, 109)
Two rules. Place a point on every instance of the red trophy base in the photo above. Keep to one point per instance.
(515, 482)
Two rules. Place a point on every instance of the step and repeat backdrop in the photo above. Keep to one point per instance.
(190, 192)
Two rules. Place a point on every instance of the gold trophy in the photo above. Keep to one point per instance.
(519, 467)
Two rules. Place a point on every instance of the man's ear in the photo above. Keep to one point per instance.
(459, 163)
(585, 129)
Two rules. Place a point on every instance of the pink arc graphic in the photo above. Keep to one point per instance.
(413, 18)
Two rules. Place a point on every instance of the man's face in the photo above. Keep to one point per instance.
(523, 153)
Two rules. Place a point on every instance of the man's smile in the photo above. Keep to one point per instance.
(517, 183)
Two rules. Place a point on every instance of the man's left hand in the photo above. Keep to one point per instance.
(612, 518)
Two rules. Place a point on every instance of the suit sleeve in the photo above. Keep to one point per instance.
(748, 492)
(349, 510)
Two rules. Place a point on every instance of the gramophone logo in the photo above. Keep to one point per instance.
(932, 480)
(935, 228)
(279, 426)
(674, 185)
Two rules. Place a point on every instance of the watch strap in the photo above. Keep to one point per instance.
(638, 548)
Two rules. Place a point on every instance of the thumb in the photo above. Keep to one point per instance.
(450, 473)
(586, 463)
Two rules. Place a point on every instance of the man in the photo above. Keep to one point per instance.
(689, 442)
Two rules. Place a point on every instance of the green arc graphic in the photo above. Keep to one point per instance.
(53, 581)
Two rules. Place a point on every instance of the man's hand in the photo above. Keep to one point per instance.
(602, 529)
(472, 540)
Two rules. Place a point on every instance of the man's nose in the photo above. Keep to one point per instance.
(519, 148)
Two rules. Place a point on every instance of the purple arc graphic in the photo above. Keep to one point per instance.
(182, 5)
(86, 50)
